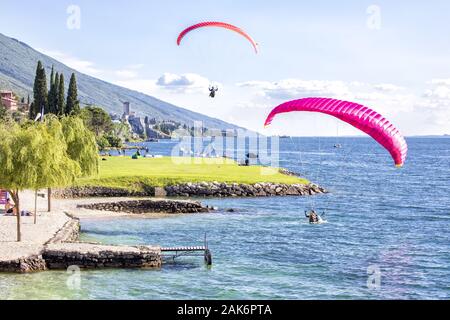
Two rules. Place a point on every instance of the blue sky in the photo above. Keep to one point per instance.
(397, 62)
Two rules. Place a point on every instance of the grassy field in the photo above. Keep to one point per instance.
(124, 172)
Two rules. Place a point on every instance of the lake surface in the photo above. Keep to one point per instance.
(386, 226)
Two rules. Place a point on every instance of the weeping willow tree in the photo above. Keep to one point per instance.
(81, 145)
(44, 155)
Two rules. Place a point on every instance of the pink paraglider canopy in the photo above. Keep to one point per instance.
(219, 25)
(359, 116)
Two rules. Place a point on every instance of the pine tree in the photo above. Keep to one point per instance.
(72, 105)
(39, 91)
(61, 101)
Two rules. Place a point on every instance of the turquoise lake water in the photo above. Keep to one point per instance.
(381, 218)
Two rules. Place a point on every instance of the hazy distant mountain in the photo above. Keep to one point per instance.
(17, 70)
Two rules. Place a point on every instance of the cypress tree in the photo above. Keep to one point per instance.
(39, 91)
(72, 104)
(52, 94)
(56, 93)
(61, 90)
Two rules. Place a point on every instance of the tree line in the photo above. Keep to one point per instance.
(52, 99)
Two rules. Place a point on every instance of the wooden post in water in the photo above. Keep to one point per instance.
(208, 255)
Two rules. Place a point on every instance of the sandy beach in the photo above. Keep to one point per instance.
(34, 236)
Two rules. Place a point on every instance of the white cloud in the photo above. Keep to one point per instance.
(439, 93)
(435, 103)
(442, 82)
(382, 97)
(184, 83)
(167, 83)
(78, 64)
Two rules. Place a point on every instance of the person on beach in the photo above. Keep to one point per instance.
(10, 208)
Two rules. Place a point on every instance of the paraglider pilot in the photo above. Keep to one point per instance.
(213, 91)
(312, 216)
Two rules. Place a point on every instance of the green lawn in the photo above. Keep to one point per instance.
(124, 172)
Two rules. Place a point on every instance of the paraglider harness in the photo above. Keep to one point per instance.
(213, 91)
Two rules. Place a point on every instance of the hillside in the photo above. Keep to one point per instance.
(17, 69)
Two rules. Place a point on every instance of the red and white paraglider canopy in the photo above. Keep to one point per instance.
(217, 25)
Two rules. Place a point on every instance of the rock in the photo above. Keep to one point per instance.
(160, 192)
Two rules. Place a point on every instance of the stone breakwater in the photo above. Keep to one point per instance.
(63, 251)
(70, 232)
(149, 206)
(202, 189)
(92, 256)
(216, 189)
(24, 265)
(101, 192)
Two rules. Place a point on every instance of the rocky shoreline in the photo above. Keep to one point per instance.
(223, 190)
(29, 264)
(202, 189)
(149, 206)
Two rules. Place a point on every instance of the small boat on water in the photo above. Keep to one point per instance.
(338, 146)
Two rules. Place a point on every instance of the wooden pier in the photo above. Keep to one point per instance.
(176, 252)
